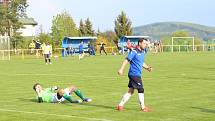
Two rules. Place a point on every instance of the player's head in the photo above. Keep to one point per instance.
(143, 43)
(37, 86)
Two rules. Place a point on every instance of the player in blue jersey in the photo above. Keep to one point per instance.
(136, 60)
(81, 50)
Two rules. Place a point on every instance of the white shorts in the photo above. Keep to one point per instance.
(66, 90)
(56, 100)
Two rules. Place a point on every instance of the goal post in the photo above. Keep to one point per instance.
(193, 39)
(4, 47)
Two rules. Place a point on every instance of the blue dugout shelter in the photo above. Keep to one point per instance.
(133, 39)
(74, 43)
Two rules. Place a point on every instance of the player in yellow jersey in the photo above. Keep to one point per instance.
(47, 51)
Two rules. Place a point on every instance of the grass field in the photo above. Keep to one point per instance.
(180, 88)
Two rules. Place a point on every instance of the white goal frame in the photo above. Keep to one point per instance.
(193, 39)
(3, 51)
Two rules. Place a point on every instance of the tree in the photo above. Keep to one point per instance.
(123, 25)
(63, 26)
(98, 32)
(45, 38)
(17, 40)
(82, 29)
(182, 41)
(89, 28)
(112, 37)
(9, 19)
(180, 34)
(168, 39)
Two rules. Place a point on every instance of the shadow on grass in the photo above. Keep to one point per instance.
(82, 104)
(27, 99)
(94, 105)
(100, 106)
(205, 110)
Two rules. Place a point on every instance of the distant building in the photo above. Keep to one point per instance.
(4, 1)
(133, 40)
(29, 24)
(74, 42)
(29, 27)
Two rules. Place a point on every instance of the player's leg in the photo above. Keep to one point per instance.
(49, 58)
(127, 95)
(100, 50)
(139, 86)
(80, 55)
(141, 100)
(125, 98)
(45, 56)
(63, 95)
(79, 93)
(104, 51)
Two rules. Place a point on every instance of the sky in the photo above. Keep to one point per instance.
(102, 13)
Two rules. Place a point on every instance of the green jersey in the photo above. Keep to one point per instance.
(47, 95)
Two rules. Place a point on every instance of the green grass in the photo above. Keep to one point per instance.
(180, 88)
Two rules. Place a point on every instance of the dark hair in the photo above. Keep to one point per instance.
(34, 87)
(141, 40)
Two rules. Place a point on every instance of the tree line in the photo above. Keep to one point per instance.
(63, 25)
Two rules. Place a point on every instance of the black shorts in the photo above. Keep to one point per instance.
(135, 82)
(81, 52)
(47, 56)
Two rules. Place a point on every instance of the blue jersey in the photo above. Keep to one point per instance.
(136, 59)
(81, 46)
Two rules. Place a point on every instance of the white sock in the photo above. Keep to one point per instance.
(141, 100)
(79, 57)
(124, 99)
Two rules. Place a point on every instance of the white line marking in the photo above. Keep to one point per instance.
(73, 75)
(39, 113)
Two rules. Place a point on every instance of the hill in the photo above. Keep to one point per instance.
(158, 30)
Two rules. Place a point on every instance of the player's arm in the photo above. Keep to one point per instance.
(40, 100)
(147, 67)
(121, 69)
(129, 58)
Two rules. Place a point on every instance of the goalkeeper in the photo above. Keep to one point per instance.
(56, 95)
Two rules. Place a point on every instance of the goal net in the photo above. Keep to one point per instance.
(4, 48)
(182, 44)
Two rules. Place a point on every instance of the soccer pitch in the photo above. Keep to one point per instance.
(180, 88)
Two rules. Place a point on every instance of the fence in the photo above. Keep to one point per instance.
(29, 53)
(57, 52)
(186, 48)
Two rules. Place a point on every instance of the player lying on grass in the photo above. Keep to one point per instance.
(56, 95)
